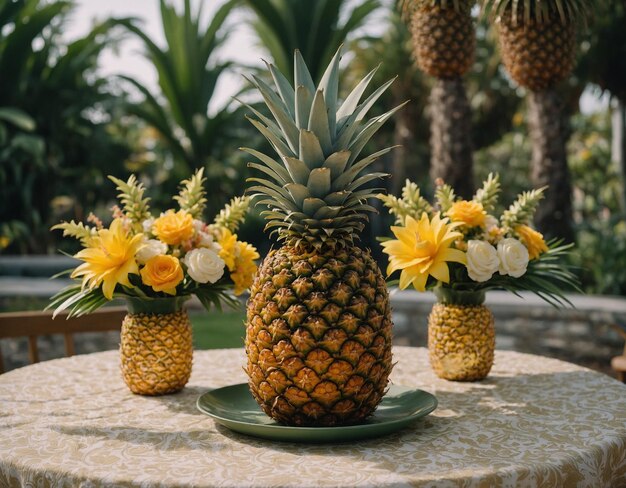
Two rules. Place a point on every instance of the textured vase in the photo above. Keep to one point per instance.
(461, 336)
(156, 346)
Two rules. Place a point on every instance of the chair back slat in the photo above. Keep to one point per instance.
(33, 351)
(34, 324)
(69, 344)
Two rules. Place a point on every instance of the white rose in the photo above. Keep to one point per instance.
(513, 257)
(147, 225)
(150, 249)
(204, 265)
(482, 260)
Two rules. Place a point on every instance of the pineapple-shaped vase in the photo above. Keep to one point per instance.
(461, 335)
(156, 346)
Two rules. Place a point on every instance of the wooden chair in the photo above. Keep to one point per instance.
(618, 363)
(34, 324)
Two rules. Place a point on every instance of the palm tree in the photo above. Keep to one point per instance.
(188, 73)
(314, 27)
(538, 46)
(444, 41)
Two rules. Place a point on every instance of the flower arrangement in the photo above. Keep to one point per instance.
(460, 245)
(175, 254)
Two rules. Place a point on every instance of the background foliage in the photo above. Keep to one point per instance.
(63, 127)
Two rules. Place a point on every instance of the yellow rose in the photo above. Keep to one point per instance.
(471, 214)
(173, 228)
(162, 273)
(533, 241)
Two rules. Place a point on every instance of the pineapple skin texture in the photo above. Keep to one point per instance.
(318, 337)
(156, 352)
(461, 341)
(444, 41)
(537, 56)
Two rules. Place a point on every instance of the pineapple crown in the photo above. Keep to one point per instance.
(192, 195)
(136, 207)
(522, 210)
(524, 11)
(315, 192)
(412, 203)
(233, 214)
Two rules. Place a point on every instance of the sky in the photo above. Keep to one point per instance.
(240, 45)
(128, 59)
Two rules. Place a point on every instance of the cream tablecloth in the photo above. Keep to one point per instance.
(533, 422)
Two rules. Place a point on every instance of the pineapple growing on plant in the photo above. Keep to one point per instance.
(444, 41)
(443, 35)
(537, 38)
(537, 42)
(318, 336)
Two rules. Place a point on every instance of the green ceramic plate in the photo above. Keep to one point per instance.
(234, 407)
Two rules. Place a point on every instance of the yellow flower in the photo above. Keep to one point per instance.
(173, 228)
(110, 259)
(422, 249)
(533, 241)
(245, 267)
(240, 260)
(228, 248)
(471, 214)
(162, 273)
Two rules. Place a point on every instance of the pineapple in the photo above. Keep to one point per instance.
(318, 337)
(156, 346)
(443, 36)
(538, 39)
(461, 341)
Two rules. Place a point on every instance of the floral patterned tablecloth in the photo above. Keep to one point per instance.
(533, 422)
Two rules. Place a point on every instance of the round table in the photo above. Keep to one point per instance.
(533, 422)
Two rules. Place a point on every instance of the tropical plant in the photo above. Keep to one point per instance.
(188, 73)
(16, 141)
(316, 30)
(56, 84)
(444, 42)
(603, 64)
(538, 46)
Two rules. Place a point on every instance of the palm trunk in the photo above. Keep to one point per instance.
(450, 138)
(548, 132)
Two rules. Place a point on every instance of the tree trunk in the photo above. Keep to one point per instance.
(548, 133)
(618, 145)
(450, 136)
(401, 154)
